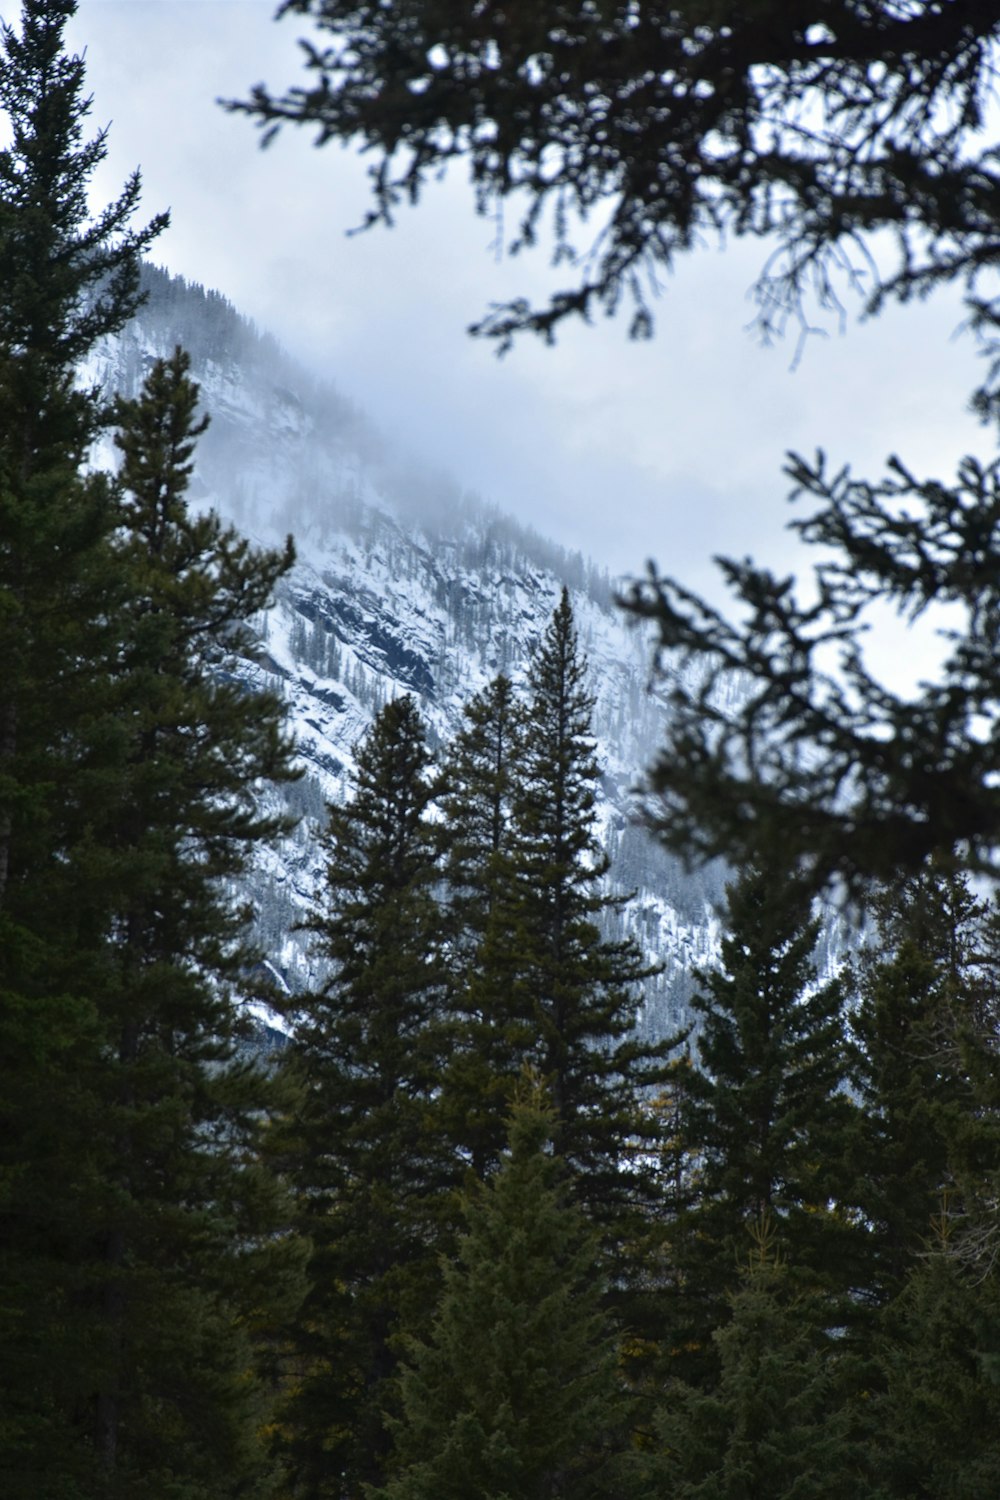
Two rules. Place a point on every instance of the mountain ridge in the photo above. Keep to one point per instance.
(404, 583)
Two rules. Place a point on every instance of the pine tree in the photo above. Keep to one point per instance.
(185, 1209)
(363, 1150)
(479, 779)
(933, 1429)
(66, 279)
(762, 1116)
(538, 984)
(516, 1390)
(172, 1258)
(927, 1072)
(489, 1039)
(576, 990)
(896, 140)
(777, 1422)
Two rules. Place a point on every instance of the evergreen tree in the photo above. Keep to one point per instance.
(933, 1429)
(696, 129)
(170, 1258)
(516, 1390)
(66, 279)
(185, 1207)
(762, 1115)
(777, 1423)
(362, 1149)
(577, 992)
(489, 1039)
(927, 1069)
(479, 781)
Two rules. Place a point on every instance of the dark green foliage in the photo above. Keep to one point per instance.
(682, 122)
(516, 1391)
(536, 983)
(777, 1424)
(577, 991)
(130, 1198)
(362, 1150)
(927, 1071)
(761, 1120)
(66, 278)
(824, 131)
(461, 952)
(148, 1230)
(783, 742)
(539, 986)
(480, 776)
(933, 1430)
(489, 1037)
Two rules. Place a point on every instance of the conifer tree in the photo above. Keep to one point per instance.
(489, 1039)
(933, 1429)
(362, 1149)
(173, 1238)
(66, 279)
(577, 991)
(479, 780)
(516, 1390)
(927, 1072)
(761, 1113)
(194, 746)
(777, 1422)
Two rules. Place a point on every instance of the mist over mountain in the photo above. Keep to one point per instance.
(405, 583)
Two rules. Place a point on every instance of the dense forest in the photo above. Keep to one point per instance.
(470, 1234)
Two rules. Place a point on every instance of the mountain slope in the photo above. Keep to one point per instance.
(404, 583)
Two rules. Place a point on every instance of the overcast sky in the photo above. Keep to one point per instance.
(671, 450)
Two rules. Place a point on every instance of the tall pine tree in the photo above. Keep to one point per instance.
(516, 1391)
(66, 279)
(159, 1279)
(927, 1071)
(363, 1150)
(489, 1038)
(576, 990)
(185, 1213)
(762, 1116)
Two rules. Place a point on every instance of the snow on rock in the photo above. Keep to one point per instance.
(403, 584)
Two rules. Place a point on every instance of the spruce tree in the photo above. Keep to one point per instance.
(479, 779)
(194, 746)
(516, 1390)
(761, 1114)
(577, 992)
(778, 1420)
(66, 279)
(362, 1149)
(932, 1423)
(157, 1286)
(489, 1039)
(927, 1073)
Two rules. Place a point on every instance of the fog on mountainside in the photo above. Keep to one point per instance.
(404, 583)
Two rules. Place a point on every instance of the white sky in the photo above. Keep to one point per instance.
(671, 450)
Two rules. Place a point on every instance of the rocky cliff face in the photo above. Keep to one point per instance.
(404, 583)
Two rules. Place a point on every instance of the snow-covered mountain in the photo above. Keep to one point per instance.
(404, 583)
